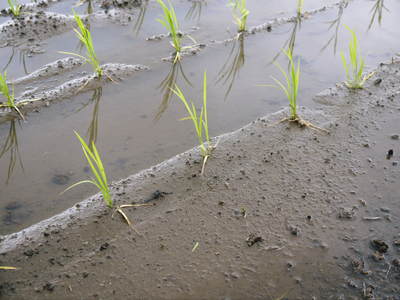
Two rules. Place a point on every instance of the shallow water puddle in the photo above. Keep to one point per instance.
(135, 122)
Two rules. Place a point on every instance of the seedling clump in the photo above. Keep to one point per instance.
(100, 178)
(85, 37)
(15, 7)
(10, 97)
(355, 67)
(200, 122)
(170, 22)
(240, 13)
(291, 89)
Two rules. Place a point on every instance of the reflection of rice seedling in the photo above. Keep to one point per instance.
(10, 98)
(170, 22)
(355, 67)
(11, 145)
(336, 24)
(234, 63)
(97, 168)
(291, 89)
(200, 122)
(15, 7)
(240, 13)
(140, 17)
(194, 12)
(22, 59)
(168, 84)
(85, 38)
(93, 127)
(377, 12)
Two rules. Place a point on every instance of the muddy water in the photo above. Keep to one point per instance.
(134, 123)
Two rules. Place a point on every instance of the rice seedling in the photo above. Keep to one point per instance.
(200, 122)
(8, 268)
(97, 168)
(291, 89)
(100, 178)
(85, 38)
(299, 9)
(240, 13)
(355, 67)
(377, 12)
(10, 96)
(291, 86)
(170, 22)
(15, 7)
(230, 70)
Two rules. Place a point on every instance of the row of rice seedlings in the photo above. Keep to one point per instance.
(354, 68)
(85, 38)
(240, 13)
(200, 121)
(15, 7)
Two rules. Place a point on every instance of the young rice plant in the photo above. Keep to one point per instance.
(355, 67)
(291, 85)
(97, 168)
(200, 122)
(240, 13)
(10, 98)
(85, 37)
(170, 22)
(15, 7)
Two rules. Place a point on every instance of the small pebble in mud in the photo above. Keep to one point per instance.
(253, 239)
(104, 246)
(380, 246)
(346, 213)
(377, 256)
(389, 154)
(60, 179)
(394, 136)
(378, 81)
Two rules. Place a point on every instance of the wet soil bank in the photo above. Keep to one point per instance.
(282, 213)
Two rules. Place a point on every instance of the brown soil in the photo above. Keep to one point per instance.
(282, 213)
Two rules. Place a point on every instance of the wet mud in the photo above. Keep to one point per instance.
(282, 212)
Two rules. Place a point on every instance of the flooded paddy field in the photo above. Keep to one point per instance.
(343, 213)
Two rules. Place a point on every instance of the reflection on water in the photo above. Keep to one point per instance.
(233, 64)
(89, 7)
(92, 130)
(336, 25)
(22, 59)
(377, 12)
(11, 145)
(93, 126)
(140, 17)
(168, 84)
(194, 12)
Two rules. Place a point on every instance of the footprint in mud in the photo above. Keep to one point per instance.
(60, 179)
(14, 215)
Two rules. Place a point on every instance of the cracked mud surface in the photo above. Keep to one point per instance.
(282, 213)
